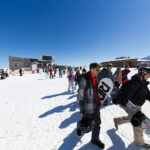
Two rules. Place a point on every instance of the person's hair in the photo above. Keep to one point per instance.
(78, 71)
(119, 73)
(94, 65)
(84, 70)
(127, 66)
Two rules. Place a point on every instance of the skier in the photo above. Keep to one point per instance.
(125, 72)
(89, 105)
(137, 92)
(70, 77)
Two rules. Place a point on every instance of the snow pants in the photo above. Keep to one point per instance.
(96, 130)
(138, 132)
(70, 86)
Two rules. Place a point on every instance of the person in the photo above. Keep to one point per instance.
(51, 73)
(137, 92)
(47, 72)
(64, 71)
(77, 77)
(20, 72)
(6, 73)
(89, 104)
(117, 77)
(60, 72)
(106, 73)
(55, 71)
(125, 73)
(70, 77)
(83, 72)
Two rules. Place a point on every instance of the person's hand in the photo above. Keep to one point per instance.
(101, 105)
(121, 106)
(82, 114)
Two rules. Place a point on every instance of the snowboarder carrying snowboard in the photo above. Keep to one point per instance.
(89, 105)
(137, 92)
(106, 73)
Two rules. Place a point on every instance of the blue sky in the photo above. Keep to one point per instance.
(75, 32)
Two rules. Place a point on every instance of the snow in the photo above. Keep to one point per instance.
(39, 114)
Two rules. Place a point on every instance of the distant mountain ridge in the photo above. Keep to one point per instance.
(146, 58)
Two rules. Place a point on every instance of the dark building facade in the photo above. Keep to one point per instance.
(18, 62)
(131, 62)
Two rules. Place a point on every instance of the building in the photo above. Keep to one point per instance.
(18, 62)
(132, 62)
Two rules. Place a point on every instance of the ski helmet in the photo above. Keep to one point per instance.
(143, 70)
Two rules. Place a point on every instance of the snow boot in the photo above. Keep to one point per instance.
(115, 123)
(98, 143)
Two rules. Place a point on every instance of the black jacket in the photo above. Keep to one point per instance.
(105, 73)
(78, 78)
(135, 90)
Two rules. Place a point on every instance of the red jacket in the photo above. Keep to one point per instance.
(51, 71)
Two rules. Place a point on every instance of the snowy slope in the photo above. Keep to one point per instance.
(38, 114)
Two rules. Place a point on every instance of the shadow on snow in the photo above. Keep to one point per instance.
(73, 106)
(118, 143)
(72, 119)
(55, 95)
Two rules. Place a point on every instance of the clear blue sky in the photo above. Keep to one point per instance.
(74, 31)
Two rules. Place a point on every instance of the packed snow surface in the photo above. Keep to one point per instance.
(37, 113)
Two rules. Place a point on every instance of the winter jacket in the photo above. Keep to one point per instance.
(70, 77)
(135, 90)
(105, 73)
(78, 78)
(51, 71)
(125, 72)
(86, 96)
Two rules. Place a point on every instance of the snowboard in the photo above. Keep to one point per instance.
(105, 87)
(138, 117)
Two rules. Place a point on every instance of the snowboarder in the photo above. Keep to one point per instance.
(89, 105)
(106, 73)
(137, 92)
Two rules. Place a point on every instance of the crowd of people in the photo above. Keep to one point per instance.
(3, 73)
(135, 90)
